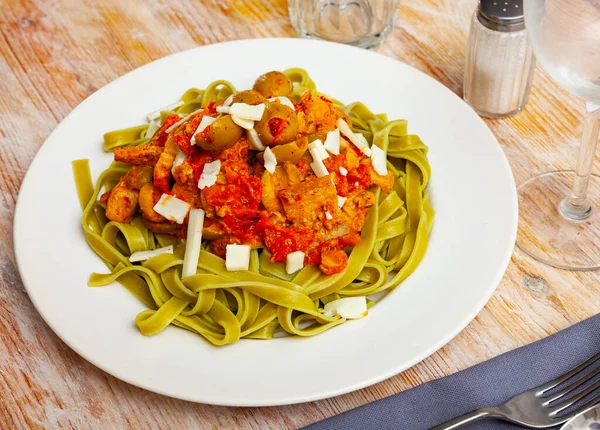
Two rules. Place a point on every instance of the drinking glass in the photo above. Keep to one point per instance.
(559, 222)
(363, 23)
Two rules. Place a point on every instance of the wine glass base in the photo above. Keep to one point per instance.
(546, 235)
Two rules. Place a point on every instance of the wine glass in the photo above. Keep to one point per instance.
(559, 222)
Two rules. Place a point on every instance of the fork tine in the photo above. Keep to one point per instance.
(564, 405)
(568, 389)
(549, 385)
(592, 402)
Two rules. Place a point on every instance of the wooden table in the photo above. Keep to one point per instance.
(53, 54)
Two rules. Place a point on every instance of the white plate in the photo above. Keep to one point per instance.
(472, 191)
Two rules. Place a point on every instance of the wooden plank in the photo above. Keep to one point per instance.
(55, 54)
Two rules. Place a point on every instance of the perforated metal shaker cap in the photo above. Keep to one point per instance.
(501, 15)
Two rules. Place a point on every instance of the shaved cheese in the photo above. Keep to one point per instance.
(179, 158)
(294, 262)
(246, 111)
(204, 122)
(360, 142)
(237, 257)
(228, 101)
(328, 216)
(317, 150)
(242, 122)
(379, 161)
(181, 121)
(341, 201)
(349, 307)
(147, 255)
(152, 128)
(192, 243)
(319, 168)
(343, 171)
(223, 109)
(156, 114)
(172, 208)
(270, 160)
(209, 174)
(284, 101)
(332, 142)
(254, 141)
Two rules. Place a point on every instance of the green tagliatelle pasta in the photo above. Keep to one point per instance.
(224, 306)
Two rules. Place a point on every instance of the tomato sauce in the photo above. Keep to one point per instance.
(161, 135)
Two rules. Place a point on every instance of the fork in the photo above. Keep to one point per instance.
(539, 407)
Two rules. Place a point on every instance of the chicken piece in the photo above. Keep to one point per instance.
(184, 173)
(149, 196)
(122, 203)
(303, 202)
(386, 182)
(138, 176)
(333, 261)
(162, 169)
(143, 154)
(316, 114)
(356, 207)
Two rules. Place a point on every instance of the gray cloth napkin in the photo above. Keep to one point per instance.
(490, 383)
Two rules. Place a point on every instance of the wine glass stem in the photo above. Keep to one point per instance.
(576, 206)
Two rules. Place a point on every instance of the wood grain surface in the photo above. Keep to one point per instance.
(53, 54)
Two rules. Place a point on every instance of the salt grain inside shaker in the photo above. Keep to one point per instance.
(500, 64)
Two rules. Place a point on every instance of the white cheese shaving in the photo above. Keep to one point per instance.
(209, 174)
(341, 201)
(317, 150)
(332, 142)
(223, 109)
(343, 171)
(228, 101)
(254, 141)
(359, 142)
(192, 243)
(179, 158)
(152, 128)
(349, 307)
(246, 111)
(328, 216)
(242, 122)
(147, 255)
(284, 101)
(156, 114)
(204, 122)
(294, 262)
(237, 257)
(172, 208)
(181, 121)
(319, 168)
(379, 161)
(270, 160)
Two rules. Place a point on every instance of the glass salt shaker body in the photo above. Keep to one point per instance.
(500, 64)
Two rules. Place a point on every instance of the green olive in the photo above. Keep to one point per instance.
(278, 125)
(273, 84)
(220, 135)
(249, 97)
(291, 152)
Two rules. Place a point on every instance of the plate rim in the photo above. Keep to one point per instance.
(466, 320)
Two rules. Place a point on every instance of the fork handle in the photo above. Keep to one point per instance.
(467, 418)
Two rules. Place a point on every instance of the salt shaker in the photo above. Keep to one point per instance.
(500, 63)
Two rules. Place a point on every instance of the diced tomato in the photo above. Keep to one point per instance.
(359, 178)
(281, 241)
(333, 262)
(160, 137)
